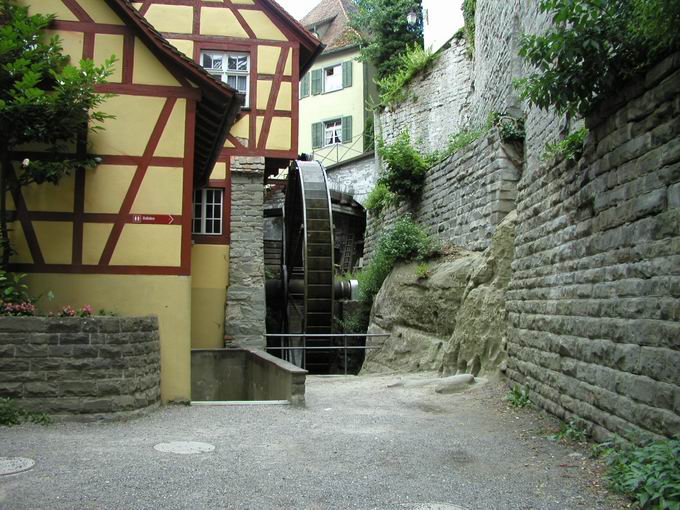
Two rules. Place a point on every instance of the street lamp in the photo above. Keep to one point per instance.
(412, 18)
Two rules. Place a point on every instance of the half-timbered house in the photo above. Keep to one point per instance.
(205, 100)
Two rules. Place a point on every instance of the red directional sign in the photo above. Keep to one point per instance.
(152, 219)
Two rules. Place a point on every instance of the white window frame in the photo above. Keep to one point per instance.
(332, 129)
(337, 71)
(203, 192)
(224, 74)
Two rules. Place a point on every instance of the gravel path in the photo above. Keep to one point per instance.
(358, 444)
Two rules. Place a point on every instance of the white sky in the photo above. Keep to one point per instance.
(298, 8)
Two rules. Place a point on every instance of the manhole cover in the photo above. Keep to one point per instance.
(13, 465)
(184, 447)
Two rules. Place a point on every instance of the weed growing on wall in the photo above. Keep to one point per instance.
(469, 8)
(392, 88)
(406, 241)
(423, 271)
(592, 47)
(570, 148)
(649, 474)
(405, 166)
(379, 198)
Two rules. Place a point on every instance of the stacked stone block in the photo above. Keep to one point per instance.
(594, 299)
(88, 366)
(245, 314)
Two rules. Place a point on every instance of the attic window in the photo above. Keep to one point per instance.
(232, 68)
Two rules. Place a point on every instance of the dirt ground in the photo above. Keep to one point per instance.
(358, 444)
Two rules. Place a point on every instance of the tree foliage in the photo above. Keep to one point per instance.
(384, 33)
(44, 102)
(593, 47)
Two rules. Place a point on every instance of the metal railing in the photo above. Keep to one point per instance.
(337, 153)
(304, 347)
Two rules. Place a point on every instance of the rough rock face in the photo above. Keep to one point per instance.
(454, 321)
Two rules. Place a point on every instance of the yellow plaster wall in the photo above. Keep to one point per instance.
(183, 45)
(263, 27)
(171, 143)
(17, 240)
(48, 197)
(242, 128)
(285, 99)
(168, 297)
(148, 70)
(148, 245)
(267, 58)
(264, 88)
(55, 239)
(95, 236)
(99, 12)
(129, 132)
(42, 6)
(106, 45)
(210, 277)
(288, 68)
(279, 134)
(171, 18)
(219, 171)
(160, 192)
(71, 43)
(221, 21)
(106, 186)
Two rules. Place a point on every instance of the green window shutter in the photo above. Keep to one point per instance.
(317, 81)
(346, 74)
(346, 129)
(304, 86)
(317, 135)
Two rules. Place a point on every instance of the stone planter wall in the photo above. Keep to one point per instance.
(95, 366)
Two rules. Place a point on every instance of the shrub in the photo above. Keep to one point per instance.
(406, 241)
(593, 46)
(392, 87)
(469, 7)
(13, 289)
(650, 474)
(573, 430)
(423, 271)
(405, 167)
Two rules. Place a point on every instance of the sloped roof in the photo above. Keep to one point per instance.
(336, 14)
(219, 104)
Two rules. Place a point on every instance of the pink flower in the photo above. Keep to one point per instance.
(67, 311)
(86, 311)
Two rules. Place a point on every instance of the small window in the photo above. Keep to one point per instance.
(333, 132)
(332, 78)
(208, 211)
(232, 68)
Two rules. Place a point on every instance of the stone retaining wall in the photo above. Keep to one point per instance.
(355, 177)
(594, 299)
(464, 197)
(95, 366)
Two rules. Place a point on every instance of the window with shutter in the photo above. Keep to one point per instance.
(346, 129)
(346, 74)
(317, 135)
(317, 81)
(304, 85)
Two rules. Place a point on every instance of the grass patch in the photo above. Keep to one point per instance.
(393, 86)
(570, 148)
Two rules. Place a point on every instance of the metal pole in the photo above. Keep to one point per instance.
(304, 352)
(344, 341)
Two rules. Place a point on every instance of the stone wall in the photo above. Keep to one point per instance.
(245, 315)
(438, 102)
(464, 197)
(595, 295)
(355, 177)
(94, 367)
